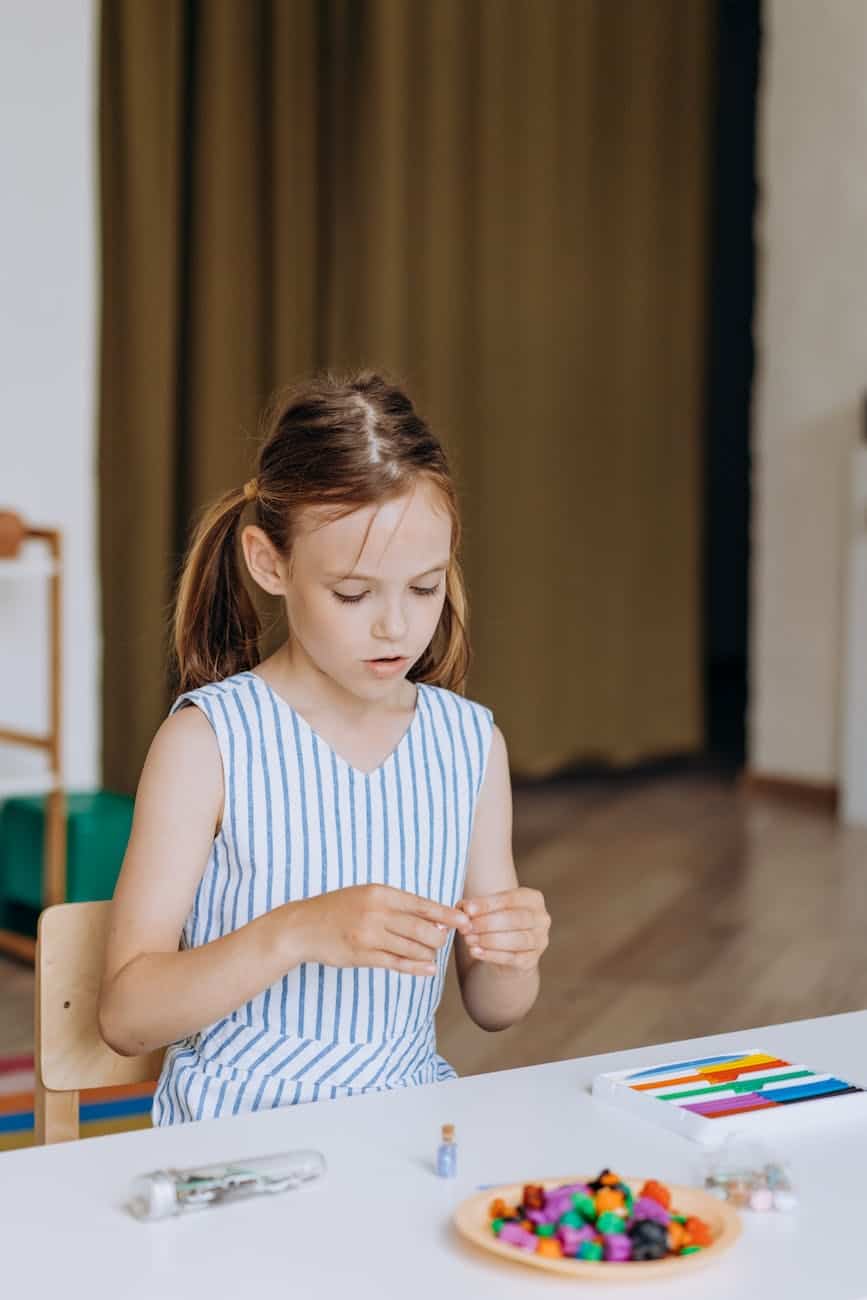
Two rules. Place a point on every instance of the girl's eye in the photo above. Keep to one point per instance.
(353, 600)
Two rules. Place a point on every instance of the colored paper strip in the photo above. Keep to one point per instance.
(729, 1105)
(822, 1088)
(747, 1086)
(681, 1065)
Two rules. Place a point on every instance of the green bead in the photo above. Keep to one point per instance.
(678, 1218)
(571, 1219)
(590, 1250)
(496, 1225)
(585, 1205)
(689, 1250)
(609, 1222)
(545, 1229)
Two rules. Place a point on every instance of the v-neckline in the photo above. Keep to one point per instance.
(283, 703)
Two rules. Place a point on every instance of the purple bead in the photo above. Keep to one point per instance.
(572, 1188)
(617, 1247)
(550, 1214)
(557, 1204)
(647, 1208)
(572, 1238)
(517, 1236)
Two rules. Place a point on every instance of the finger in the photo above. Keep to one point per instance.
(493, 902)
(413, 927)
(505, 941)
(389, 961)
(510, 918)
(400, 946)
(518, 960)
(429, 910)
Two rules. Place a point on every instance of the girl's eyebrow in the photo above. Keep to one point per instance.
(364, 577)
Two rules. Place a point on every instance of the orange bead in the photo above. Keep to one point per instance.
(527, 1225)
(609, 1198)
(550, 1247)
(699, 1232)
(657, 1192)
(677, 1235)
(498, 1209)
(609, 1179)
(533, 1198)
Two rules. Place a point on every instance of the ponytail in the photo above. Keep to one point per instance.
(216, 628)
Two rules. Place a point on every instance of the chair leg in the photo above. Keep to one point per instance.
(55, 1115)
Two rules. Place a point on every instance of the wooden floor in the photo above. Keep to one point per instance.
(680, 907)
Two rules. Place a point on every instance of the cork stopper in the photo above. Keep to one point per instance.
(448, 1132)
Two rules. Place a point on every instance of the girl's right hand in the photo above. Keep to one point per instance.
(376, 925)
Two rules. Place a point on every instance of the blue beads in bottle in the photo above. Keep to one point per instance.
(447, 1153)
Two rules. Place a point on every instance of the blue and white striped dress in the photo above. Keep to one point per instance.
(298, 821)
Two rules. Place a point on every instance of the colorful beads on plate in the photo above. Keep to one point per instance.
(599, 1221)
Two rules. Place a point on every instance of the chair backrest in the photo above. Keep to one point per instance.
(69, 1052)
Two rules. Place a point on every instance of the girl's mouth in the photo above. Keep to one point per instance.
(387, 665)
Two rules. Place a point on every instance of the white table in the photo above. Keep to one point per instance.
(378, 1225)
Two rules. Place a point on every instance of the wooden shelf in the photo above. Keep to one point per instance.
(24, 772)
(18, 945)
(27, 568)
(30, 763)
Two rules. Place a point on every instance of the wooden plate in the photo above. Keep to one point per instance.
(471, 1220)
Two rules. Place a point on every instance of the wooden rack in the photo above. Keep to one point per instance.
(47, 778)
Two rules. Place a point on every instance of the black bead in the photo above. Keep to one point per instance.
(649, 1250)
(648, 1230)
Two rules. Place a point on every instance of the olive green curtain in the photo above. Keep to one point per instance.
(504, 203)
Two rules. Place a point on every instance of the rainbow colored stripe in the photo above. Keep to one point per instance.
(101, 1110)
(720, 1086)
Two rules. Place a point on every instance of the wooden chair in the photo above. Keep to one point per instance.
(69, 1053)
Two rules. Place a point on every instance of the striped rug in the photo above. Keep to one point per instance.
(102, 1110)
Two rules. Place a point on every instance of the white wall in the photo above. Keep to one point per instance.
(48, 331)
(811, 337)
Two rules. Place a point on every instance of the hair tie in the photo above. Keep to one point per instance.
(251, 490)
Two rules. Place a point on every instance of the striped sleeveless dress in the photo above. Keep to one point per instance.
(298, 821)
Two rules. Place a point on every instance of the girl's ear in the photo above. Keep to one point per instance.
(264, 564)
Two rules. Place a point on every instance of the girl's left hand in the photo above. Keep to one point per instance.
(508, 929)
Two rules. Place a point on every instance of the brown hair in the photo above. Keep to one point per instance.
(345, 443)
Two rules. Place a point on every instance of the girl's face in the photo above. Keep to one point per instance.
(368, 588)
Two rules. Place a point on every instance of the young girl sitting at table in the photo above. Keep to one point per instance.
(309, 838)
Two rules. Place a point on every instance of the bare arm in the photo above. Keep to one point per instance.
(152, 994)
(498, 960)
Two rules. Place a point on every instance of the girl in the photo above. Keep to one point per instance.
(312, 831)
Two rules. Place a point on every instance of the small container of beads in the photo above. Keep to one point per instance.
(748, 1176)
(447, 1153)
(167, 1192)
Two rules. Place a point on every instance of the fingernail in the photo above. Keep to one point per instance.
(472, 908)
(477, 952)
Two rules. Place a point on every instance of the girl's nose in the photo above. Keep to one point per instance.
(391, 624)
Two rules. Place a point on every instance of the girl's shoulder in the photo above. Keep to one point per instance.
(449, 704)
(213, 696)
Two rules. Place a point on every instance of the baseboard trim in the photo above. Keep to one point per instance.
(818, 796)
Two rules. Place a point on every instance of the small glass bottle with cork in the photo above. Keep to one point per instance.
(447, 1153)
